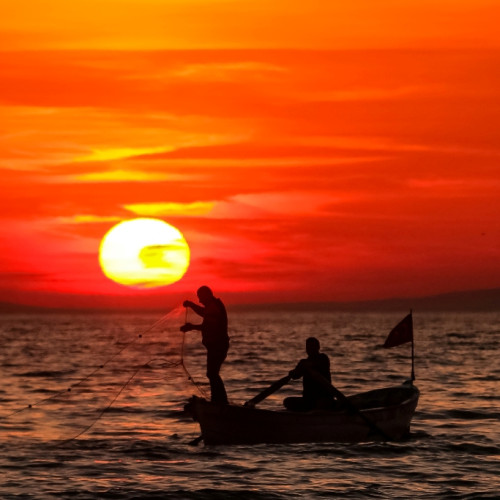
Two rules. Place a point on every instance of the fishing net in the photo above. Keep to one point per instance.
(125, 366)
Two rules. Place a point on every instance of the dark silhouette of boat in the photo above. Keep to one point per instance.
(380, 414)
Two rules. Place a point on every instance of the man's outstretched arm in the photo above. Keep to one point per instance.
(199, 310)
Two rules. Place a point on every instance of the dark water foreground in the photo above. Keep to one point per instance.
(121, 432)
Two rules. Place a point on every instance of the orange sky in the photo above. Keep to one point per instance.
(306, 152)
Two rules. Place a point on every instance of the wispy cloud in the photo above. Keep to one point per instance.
(87, 219)
(373, 94)
(362, 143)
(195, 209)
(288, 204)
(446, 186)
(244, 206)
(230, 71)
(263, 162)
(120, 153)
(114, 176)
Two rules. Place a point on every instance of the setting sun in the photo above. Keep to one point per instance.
(144, 253)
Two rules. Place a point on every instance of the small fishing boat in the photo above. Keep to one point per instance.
(380, 414)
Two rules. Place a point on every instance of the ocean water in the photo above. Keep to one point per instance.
(91, 406)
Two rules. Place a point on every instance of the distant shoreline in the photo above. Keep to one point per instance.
(465, 301)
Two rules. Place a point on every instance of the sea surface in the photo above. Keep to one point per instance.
(91, 406)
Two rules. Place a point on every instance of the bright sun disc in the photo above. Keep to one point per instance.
(144, 253)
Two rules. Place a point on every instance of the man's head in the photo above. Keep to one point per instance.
(312, 346)
(205, 295)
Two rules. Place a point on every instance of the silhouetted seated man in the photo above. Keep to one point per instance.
(214, 337)
(315, 373)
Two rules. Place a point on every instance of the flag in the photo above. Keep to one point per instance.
(401, 333)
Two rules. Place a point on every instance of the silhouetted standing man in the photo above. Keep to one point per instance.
(214, 337)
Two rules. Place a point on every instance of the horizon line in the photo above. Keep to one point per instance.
(480, 300)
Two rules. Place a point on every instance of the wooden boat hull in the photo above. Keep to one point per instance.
(390, 409)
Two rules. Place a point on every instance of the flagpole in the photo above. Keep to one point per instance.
(412, 350)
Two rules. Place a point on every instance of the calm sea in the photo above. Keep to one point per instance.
(107, 394)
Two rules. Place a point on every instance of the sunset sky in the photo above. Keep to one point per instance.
(307, 151)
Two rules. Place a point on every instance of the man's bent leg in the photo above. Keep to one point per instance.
(296, 404)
